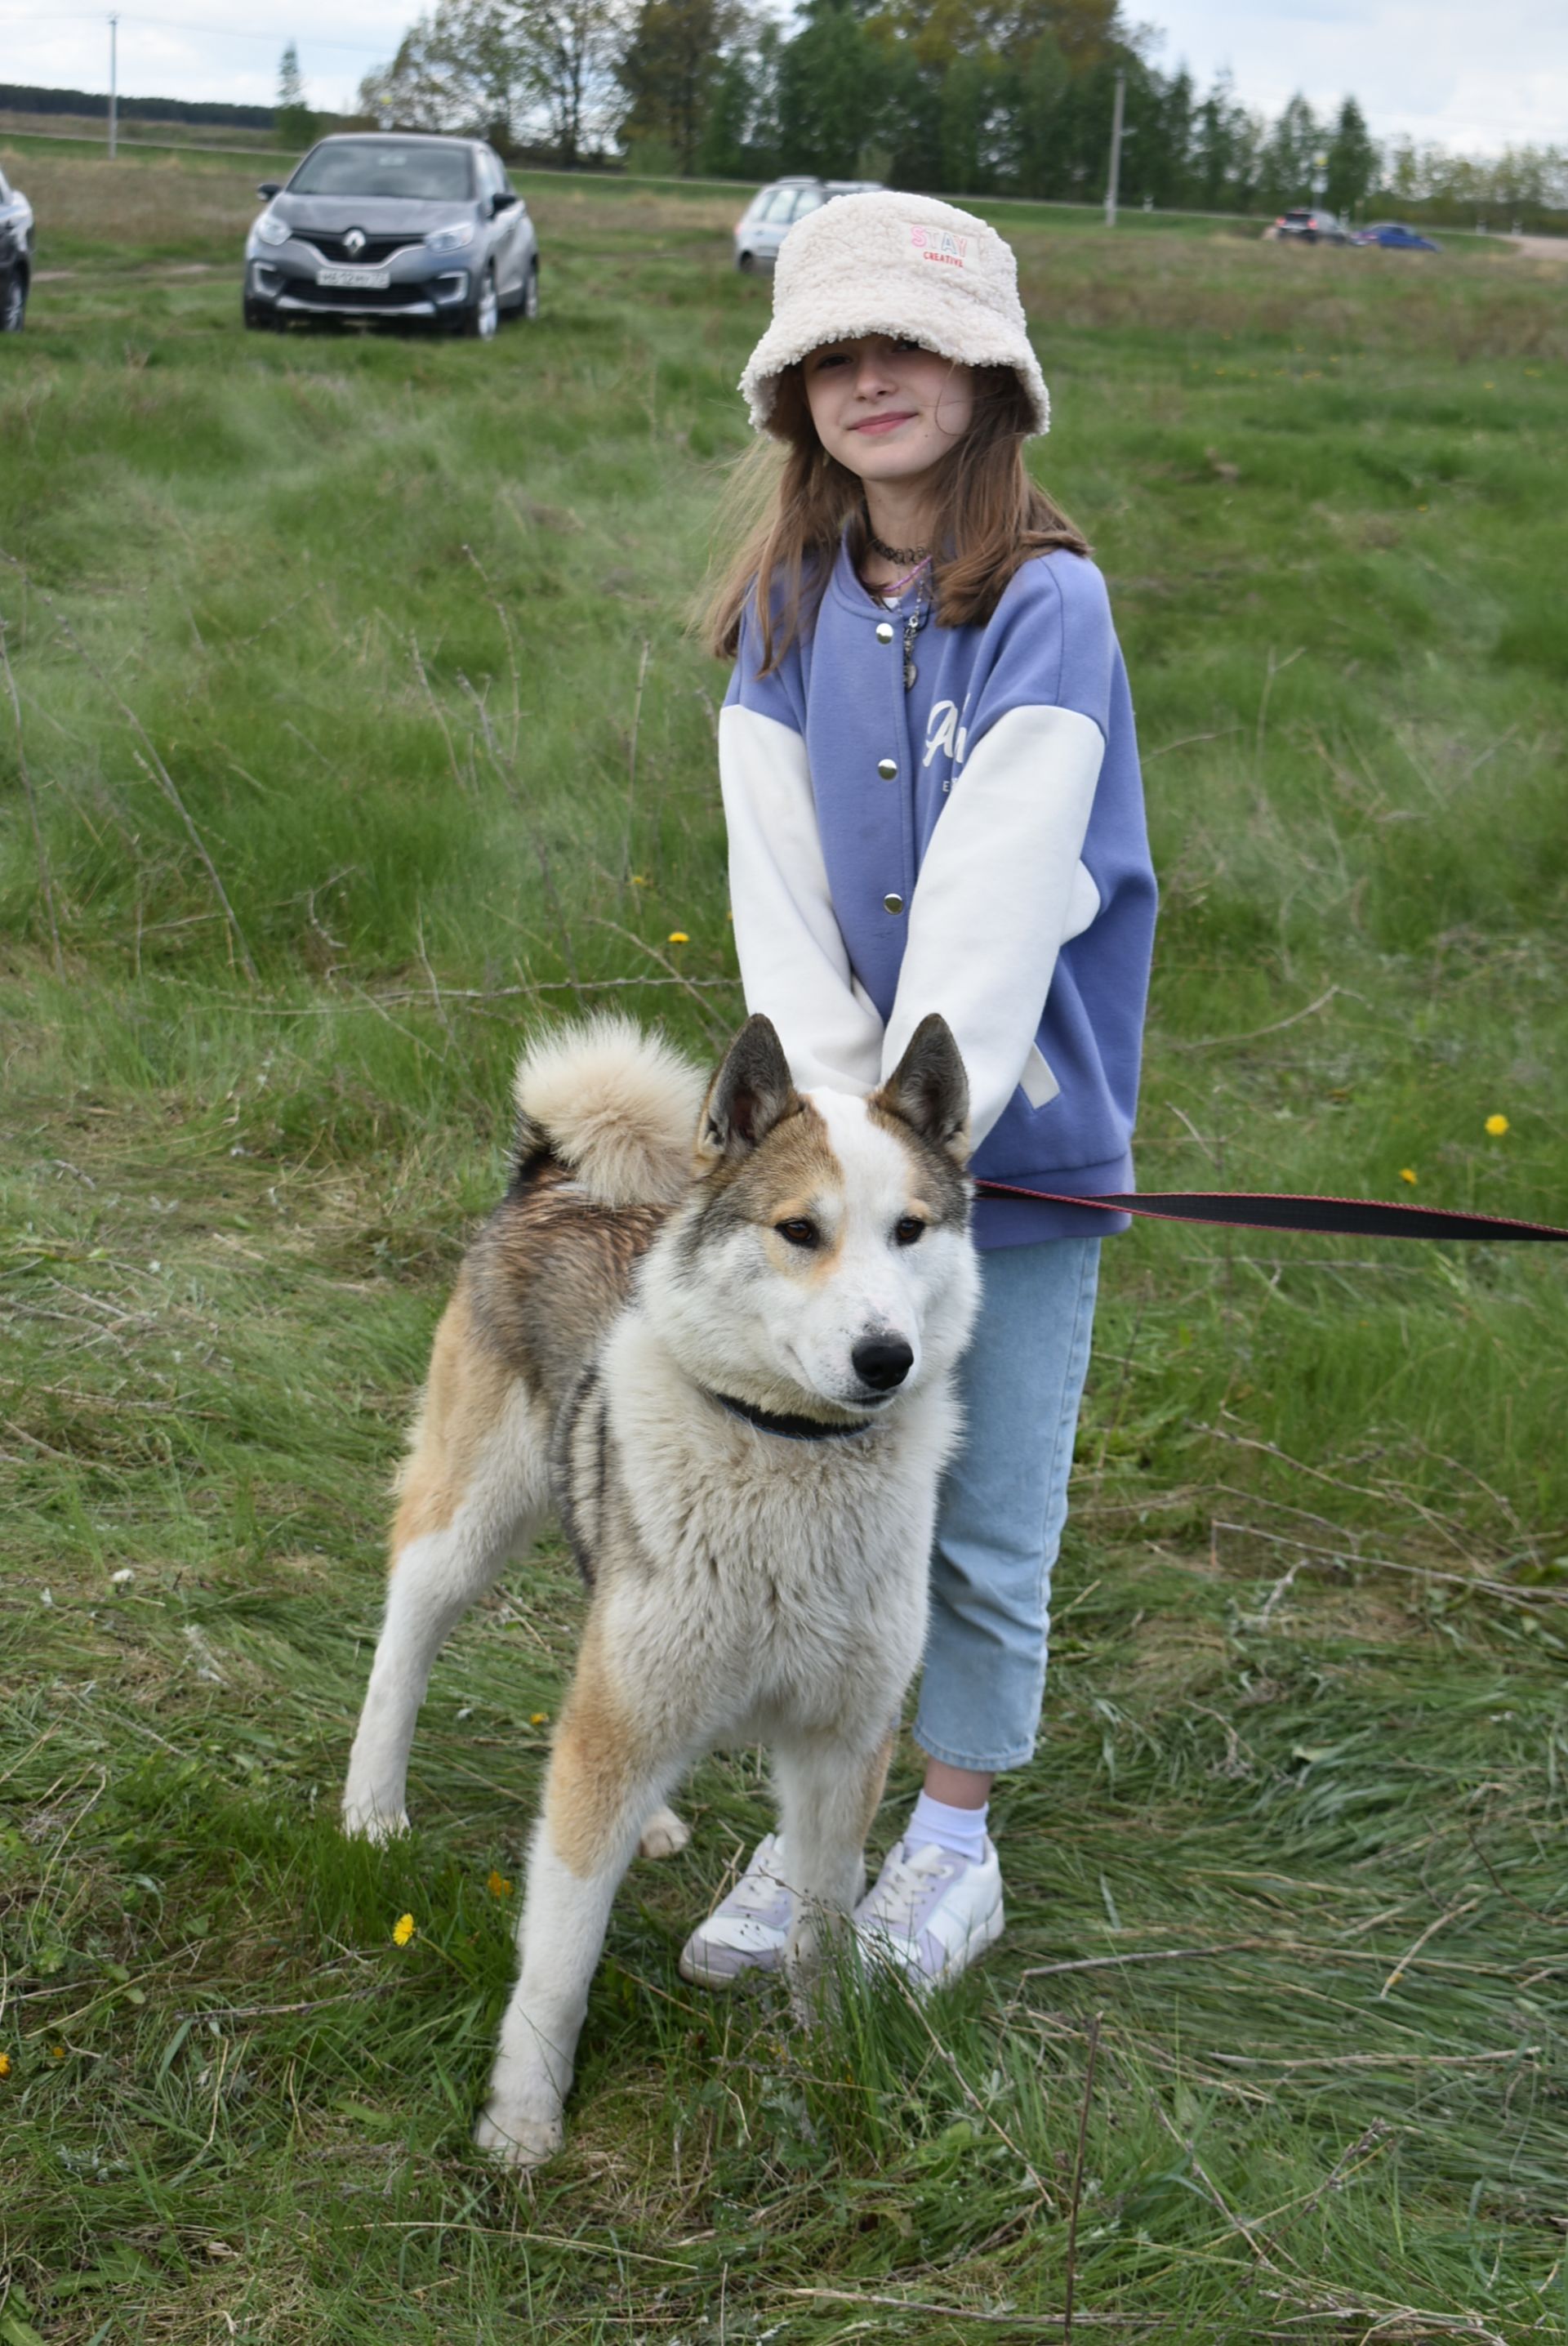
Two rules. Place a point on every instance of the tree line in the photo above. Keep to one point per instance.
(1000, 97)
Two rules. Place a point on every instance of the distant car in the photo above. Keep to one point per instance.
(1310, 224)
(394, 227)
(774, 210)
(15, 257)
(1396, 236)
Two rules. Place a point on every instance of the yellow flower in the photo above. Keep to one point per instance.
(1407, 1174)
(678, 937)
(538, 1718)
(402, 1930)
(5, 2064)
(1497, 1126)
(58, 2052)
(640, 879)
(498, 1885)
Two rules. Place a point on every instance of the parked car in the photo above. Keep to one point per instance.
(1396, 236)
(1310, 224)
(15, 256)
(774, 209)
(394, 227)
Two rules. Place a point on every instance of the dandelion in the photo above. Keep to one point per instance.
(5, 2064)
(57, 2052)
(498, 1885)
(119, 1579)
(1497, 1126)
(538, 1718)
(678, 937)
(402, 1930)
(1407, 1173)
(640, 879)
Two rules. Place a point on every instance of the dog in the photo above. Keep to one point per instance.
(718, 1329)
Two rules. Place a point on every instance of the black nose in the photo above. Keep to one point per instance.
(883, 1361)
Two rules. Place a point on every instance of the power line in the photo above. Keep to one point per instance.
(208, 31)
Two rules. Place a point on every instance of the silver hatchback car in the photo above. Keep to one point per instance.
(774, 210)
(393, 226)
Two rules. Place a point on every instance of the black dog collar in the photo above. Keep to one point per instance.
(792, 1429)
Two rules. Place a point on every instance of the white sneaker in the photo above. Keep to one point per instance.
(750, 1929)
(930, 1913)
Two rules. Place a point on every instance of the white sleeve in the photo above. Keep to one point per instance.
(793, 963)
(1000, 891)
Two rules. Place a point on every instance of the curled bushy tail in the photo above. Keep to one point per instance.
(619, 1106)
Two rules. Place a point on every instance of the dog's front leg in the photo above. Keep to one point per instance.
(828, 1796)
(601, 1787)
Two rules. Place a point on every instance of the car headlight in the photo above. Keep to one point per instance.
(271, 229)
(450, 239)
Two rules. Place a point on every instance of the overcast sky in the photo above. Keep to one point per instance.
(1472, 77)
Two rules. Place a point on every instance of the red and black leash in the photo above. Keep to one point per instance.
(1354, 1218)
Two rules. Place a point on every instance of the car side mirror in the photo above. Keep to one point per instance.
(271, 187)
(501, 201)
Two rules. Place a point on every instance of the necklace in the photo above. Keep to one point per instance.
(906, 554)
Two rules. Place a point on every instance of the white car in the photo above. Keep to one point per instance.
(774, 209)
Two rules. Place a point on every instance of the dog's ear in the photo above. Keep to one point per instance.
(751, 1093)
(930, 1090)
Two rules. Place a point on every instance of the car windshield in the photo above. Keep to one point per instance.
(386, 167)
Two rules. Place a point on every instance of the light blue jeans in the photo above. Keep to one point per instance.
(1002, 1504)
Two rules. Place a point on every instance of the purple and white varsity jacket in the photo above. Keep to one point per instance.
(975, 845)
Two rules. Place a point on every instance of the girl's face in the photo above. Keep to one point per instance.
(888, 410)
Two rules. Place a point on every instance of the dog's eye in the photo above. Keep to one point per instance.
(797, 1231)
(908, 1230)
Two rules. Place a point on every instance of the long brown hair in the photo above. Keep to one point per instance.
(790, 502)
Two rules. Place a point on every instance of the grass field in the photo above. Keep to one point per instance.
(356, 727)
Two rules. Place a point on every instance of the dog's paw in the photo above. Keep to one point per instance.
(363, 1821)
(517, 2141)
(664, 1835)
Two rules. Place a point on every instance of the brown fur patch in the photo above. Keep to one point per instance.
(944, 1186)
(594, 1768)
(876, 1782)
(549, 1271)
(794, 1161)
(465, 1397)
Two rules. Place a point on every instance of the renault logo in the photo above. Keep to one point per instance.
(354, 243)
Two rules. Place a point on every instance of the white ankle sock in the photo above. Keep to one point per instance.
(961, 1831)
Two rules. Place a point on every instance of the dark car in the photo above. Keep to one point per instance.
(1396, 237)
(15, 256)
(1310, 224)
(394, 227)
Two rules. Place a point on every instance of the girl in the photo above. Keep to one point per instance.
(931, 786)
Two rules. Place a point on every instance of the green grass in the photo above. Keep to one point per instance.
(395, 627)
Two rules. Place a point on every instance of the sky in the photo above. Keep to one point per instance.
(1469, 76)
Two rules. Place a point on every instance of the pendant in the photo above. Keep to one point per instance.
(910, 672)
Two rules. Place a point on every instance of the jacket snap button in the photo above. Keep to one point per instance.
(887, 767)
(884, 632)
(893, 903)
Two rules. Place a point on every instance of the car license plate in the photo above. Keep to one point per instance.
(370, 279)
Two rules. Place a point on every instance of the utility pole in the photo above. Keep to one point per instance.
(114, 42)
(1116, 150)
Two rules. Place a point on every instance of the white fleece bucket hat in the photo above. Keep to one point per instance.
(893, 264)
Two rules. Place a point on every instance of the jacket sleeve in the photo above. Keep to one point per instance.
(1001, 886)
(794, 965)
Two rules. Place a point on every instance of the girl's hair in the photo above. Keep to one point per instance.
(792, 505)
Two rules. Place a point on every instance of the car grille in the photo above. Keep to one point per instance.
(374, 250)
(360, 297)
